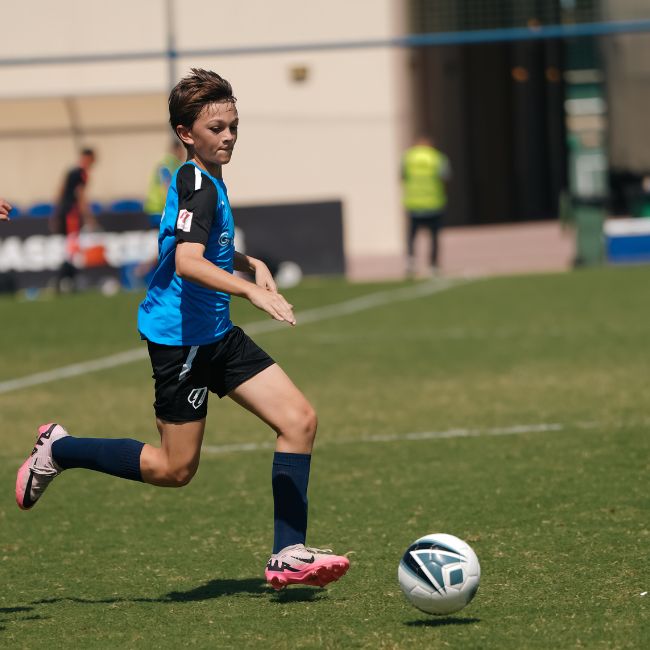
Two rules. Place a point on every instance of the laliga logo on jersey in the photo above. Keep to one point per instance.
(184, 221)
(224, 239)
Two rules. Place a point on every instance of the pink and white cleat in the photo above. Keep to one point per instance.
(301, 565)
(38, 471)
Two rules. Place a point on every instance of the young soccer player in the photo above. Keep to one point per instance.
(194, 347)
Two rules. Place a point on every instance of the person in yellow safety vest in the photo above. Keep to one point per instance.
(154, 205)
(161, 178)
(425, 173)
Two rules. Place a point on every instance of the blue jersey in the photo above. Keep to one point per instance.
(177, 311)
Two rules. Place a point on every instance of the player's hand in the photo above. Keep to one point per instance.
(274, 304)
(264, 278)
(5, 209)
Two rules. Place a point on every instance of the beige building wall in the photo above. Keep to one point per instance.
(336, 135)
(627, 66)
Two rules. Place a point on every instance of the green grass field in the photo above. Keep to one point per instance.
(530, 394)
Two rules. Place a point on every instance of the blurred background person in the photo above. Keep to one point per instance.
(138, 275)
(72, 213)
(5, 209)
(161, 178)
(425, 173)
(7, 281)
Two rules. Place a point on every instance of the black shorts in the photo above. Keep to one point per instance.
(185, 373)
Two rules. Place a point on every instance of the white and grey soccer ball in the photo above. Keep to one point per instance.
(439, 573)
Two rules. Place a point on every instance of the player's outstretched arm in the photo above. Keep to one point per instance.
(248, 264)
(5, 209)
(192, 265)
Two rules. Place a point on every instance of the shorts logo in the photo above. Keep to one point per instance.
(184, 221)
(224, 239)
(197, 397)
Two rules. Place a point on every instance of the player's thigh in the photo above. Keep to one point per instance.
(181, 442)
(274, 398)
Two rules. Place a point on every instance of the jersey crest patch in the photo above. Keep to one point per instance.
(184, 221)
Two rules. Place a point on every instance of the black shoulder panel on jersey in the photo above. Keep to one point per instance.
(197, 205)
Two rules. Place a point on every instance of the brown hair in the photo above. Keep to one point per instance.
(193, 93)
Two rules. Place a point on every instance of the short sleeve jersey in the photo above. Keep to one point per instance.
(177, 311)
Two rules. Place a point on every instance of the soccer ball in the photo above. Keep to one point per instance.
(439, 574)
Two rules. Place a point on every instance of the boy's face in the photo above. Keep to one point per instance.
(213, 134)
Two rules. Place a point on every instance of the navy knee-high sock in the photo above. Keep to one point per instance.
(290, 478)
(118, 457)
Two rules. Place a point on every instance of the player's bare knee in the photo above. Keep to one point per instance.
(300, 425)
(181, 476)
(311, 424)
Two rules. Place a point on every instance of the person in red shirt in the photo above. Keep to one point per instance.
(72, 213)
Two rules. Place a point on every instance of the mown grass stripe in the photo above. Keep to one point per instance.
(353, 306)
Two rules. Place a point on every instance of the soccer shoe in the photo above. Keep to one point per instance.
(301, 565)
(37, 472)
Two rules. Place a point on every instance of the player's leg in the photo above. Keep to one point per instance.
(181, 374)
(274, 398)
(175, 462)
(55, 450)
(181, 407)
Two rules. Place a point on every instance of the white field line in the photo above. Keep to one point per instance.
(402, 437)
(317, 314)
(74, 370)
